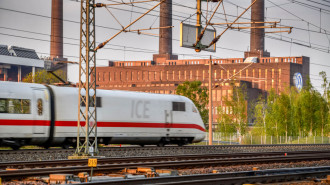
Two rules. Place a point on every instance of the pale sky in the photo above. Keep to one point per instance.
(26, 23)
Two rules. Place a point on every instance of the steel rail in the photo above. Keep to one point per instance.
(248, 177)
(54, 163)
(129, 147)
(165, 164)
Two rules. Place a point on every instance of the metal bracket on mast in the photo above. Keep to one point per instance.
(87, 122)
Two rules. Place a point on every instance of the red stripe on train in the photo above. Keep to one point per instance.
(10, 122)
(99, 124)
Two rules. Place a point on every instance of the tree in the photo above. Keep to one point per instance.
(233, 116)
(325, 105)
(198, 94)
(260, 114)
(42, 76)
(293, 112)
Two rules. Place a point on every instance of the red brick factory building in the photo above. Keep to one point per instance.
(165, 72)
(163, 78)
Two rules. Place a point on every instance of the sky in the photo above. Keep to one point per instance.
(27, 23)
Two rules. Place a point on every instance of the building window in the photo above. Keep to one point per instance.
(178, 106)
(15, 106)
(214, 93)
(218, 95)
(253, 79)
(266, 79)
(247, 73)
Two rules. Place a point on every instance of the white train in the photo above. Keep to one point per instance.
(35, 114)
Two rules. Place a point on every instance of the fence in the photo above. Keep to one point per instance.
(248, 139)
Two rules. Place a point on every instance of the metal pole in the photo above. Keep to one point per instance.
(198, 19)
(19, 74)
(210, 102)
(87, 122)
(33, 74)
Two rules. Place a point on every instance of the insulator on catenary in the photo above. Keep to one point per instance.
(101, 45)
(98, 5)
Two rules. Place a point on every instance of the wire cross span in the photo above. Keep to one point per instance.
(123, 29)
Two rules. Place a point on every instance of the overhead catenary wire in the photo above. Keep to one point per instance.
(327, 49)
(191, 7)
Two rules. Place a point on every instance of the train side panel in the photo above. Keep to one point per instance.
(129, 117)
(24, 113)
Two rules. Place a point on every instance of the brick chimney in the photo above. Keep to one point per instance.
(165, 35)
(257, 36)
(56, 38)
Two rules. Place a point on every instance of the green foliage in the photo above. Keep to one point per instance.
(197, 94)
(233, 115)
(43, 77)
(294, 113)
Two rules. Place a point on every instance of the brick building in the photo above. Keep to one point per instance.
(162, 77)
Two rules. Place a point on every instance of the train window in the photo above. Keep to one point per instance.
(40, 107)
(179, 106)
(98, 102)
(15, 106)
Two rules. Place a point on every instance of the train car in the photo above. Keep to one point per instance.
(46, 115)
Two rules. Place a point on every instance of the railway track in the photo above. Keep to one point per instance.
(81, 162)
(191, 161)
(128, 151)
(249, 177)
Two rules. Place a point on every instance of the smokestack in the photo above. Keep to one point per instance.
(56, 38)
(165, 35)
(257, 36)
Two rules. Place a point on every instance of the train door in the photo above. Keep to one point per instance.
(168, 121)
(38, 111)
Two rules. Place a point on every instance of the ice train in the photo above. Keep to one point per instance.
(46, 115)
